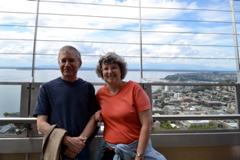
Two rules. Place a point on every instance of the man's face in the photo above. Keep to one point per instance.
(69, 65)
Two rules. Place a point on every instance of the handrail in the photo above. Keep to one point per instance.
(189, 83)
(155, 117)
(195, 117)
(18, 120)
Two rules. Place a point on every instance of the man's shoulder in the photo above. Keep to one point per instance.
(84, 82)
(51, 82)
(58, 79)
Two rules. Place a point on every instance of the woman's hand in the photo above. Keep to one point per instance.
(98, 116)
(138, 158)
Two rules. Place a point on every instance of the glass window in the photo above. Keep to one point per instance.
(184, 41)
(194, 100)
(10, 97)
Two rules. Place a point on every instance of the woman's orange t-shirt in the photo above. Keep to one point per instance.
(120, 112)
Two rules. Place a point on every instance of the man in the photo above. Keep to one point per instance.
(69, 102)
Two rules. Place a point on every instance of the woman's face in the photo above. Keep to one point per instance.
(111, 73)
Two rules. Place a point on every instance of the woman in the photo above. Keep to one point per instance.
(126, 113)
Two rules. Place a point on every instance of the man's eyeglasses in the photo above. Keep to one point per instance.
(70, 61)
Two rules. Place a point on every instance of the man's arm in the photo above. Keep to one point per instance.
(74, 144)
(42, 124)
(88, 130)
(68, 141)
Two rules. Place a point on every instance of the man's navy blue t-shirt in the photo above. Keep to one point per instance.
(67, 104)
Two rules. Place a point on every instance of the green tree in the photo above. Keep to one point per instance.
(6, 114)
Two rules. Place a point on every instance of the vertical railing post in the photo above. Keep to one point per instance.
(34, 42)
(237, 94)
(236, 56)
(148, 89)
(235, 39)
(140, 38)
(237, 98)
(33, 59)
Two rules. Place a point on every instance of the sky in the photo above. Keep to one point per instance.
(173, 38)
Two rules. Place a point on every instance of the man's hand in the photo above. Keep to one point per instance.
(74, 145)
(69, 154)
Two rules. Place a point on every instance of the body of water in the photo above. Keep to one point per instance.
(22, 75)
(10, 95)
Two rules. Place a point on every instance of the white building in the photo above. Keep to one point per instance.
(197, 122)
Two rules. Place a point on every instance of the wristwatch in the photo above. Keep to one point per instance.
(140, 155)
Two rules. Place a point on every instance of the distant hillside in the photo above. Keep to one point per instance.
(204, 76)
(7, 114)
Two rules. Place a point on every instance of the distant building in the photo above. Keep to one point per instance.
(167, 94)
(171, 109)
(177, 95)
(232, 125)
(174, 101)
(156, 109)
(156, 101)
(156, 124)
(212, 103)
(215, 112)
(174, 125)
(170, 88)
(197, 122)
(156, 95)
(187, 100)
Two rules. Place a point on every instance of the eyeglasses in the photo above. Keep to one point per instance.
(113, 69)
(70, 61)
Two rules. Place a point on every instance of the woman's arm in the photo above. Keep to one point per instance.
(98, 116)
(90, 127)
(146, 122)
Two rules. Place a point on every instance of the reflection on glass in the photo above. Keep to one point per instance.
(7, 128)
(160, 125)
(194, 100)
(10, 96)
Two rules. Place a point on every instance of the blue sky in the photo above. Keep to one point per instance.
(194, 43)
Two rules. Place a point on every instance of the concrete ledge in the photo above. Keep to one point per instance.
(34, 144)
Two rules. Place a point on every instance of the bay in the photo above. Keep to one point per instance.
(10, 95)
(25, 75)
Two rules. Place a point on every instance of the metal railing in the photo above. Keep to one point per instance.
(32, 120)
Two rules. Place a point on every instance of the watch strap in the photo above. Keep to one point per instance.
(140, 155)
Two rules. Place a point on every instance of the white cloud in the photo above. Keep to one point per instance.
(92, 16)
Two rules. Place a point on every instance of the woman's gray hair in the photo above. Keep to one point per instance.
(68, 49)
(109, 58)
